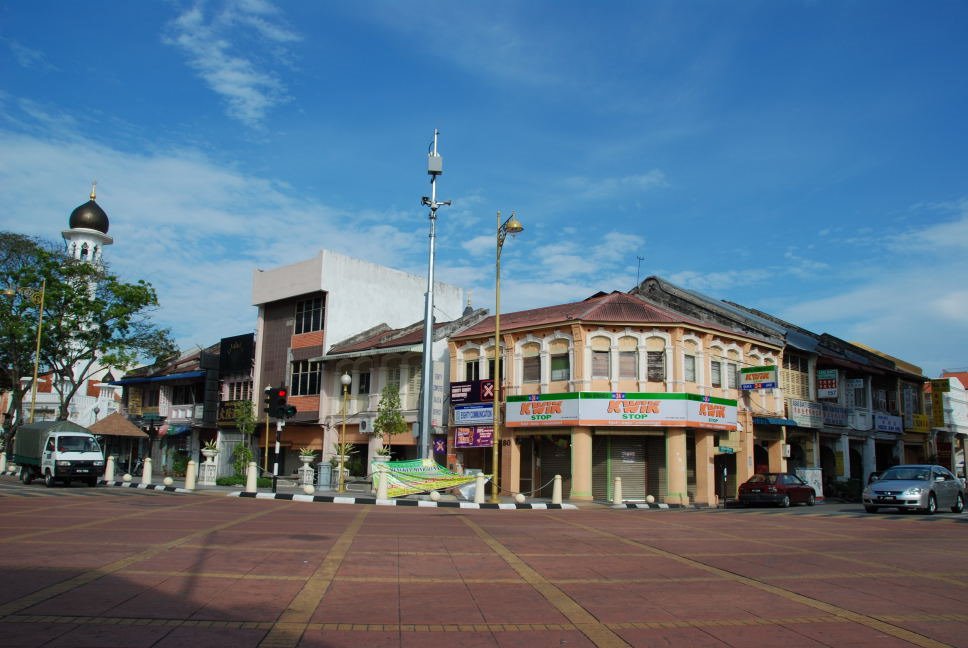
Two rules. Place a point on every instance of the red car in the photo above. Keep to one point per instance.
(781, 489)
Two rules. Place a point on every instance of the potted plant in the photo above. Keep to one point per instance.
(306, 455)
(343, 450)
(210, 449)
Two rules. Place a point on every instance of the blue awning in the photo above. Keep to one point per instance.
(177, 376)
(770, 420)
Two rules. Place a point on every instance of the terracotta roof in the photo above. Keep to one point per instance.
(116, 425)
(385, 339)
(962, 376)
(610, 308)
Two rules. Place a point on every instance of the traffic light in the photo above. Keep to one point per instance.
(290, 411)
(277, 402)
(268, 401)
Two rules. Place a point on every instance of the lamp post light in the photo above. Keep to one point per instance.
(344, 380)
(38, 297)
(513, 227)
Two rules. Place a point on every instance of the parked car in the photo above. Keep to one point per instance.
(920, 487)
(781, 489)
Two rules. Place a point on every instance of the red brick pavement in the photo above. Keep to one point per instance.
(160, 570)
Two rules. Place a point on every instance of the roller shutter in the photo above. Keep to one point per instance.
(555, 453)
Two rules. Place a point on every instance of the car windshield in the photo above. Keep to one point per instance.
(763, 479)
(77, 444)
(907, 473)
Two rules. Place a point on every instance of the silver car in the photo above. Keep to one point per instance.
(921, 487)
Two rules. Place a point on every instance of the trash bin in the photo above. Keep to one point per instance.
(324, 472)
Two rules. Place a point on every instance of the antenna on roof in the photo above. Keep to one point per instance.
(638, 269)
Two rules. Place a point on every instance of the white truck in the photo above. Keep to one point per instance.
(57, 451)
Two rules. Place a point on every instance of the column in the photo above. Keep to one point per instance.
(705, 468)
(775, 453)
(676, 466)
(869, 460)
(581, 465)
(512, 482)
(844, 449)
(745, 458)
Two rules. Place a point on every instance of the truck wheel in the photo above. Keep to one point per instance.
(25, 476)
(48, 480)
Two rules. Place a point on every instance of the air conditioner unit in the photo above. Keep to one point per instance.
(786, 450)
(366, 425)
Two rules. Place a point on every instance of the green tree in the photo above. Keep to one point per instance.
(389, 419)
(91, 319)
(244, 418)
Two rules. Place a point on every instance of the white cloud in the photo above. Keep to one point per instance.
(224, 54)
(585, 188)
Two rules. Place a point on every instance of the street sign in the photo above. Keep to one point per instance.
(726, 450)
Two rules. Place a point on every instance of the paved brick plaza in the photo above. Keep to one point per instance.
(167, 570)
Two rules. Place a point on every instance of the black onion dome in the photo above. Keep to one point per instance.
(90, 216)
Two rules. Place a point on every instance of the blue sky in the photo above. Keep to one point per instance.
(803, 158)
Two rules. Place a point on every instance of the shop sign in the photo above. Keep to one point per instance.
(481, 436)
(437, 401)
(887, 423)
(854, 383)
(827, 383)
(542, 410)
(623, 409)
(471, 391)
(922, 423)
(758, 377)
(806, 413)
(834, 414)
(473, 414)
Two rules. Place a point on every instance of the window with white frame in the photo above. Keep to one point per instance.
(305, 378)
(795, 376)
(628, 358)
(472, 365)
(689, 368)
(363, 382)
(530, 363)
(309, 315)
(732, 375)
(716, 373)
(559, 358)
(393, 376)
(600, 357)
(240, 390)
(657, 366)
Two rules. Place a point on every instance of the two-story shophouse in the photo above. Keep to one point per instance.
(613, 386)
(302, 309)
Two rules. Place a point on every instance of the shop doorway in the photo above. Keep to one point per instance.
(530, 471)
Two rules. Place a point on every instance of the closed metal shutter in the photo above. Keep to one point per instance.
(628, 460)
(601, 471)
(656, 472)
(555, 453)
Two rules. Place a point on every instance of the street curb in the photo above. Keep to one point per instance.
(155, 487)
(337, 499)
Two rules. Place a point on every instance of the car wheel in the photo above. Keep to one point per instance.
(932, 504)
(870, 509)
(785, 502)
(811, 499)
(48, 480)
(959, 504)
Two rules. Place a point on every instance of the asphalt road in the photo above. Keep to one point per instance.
(124, 567)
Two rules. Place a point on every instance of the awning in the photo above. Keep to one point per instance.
(770, 420)
(173, 430)
(178, 376)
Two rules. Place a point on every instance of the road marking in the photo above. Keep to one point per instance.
(838, 612)
(292, 623)
(597, 632)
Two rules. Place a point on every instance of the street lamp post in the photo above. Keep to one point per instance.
(344, 380)
(513, 227)
(38, 296)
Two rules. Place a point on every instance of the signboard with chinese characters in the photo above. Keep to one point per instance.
(806, 413)
(834, 414)
(827, 383)
(887, 423)
(758, 377)
(437, 402)
(481, 436)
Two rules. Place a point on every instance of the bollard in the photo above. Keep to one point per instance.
(191, 474)
(479, 490)
(146, 473)
(381, 489)
(617, 492)
(556, 491)
(251, 477)
(3, 462)
(109, 470)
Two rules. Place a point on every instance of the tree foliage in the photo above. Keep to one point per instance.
(91, 319)
(389, 419)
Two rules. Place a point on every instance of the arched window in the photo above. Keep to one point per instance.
(531, 362)
(560, 364)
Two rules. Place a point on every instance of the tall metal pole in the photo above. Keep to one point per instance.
(341, 480)
(498, 386)
(434, 169)
(40, 328)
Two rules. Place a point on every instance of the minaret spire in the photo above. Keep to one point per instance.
(93, 189)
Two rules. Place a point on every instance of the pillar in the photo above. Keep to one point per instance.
(512, 481)
(676, 465)
(581, 464)
(869, 460)
(844, 449)
(744, 453)
(774, 450)
(706, 468)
